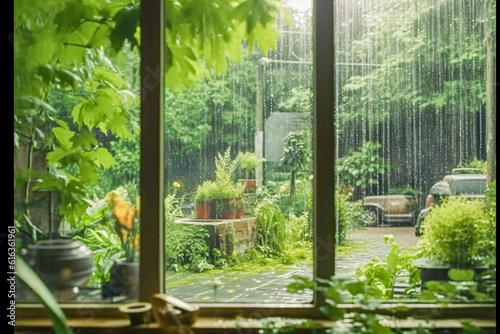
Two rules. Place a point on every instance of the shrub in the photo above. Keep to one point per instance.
(271, 230)
(349, 214)
(297, 230)
(457, 232)
(248, 161)
(185, 246)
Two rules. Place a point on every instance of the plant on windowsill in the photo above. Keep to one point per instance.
(249, 162)
(125, 272)
(458, 234)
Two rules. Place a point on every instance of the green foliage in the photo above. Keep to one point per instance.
(475, 163)
(106, 248)
(349, 214)
(411, 56)
(457, 232)
(208, 190)
(278, 233)
(225, 167)
(186, 247)
(405, 190)
(296, 155)
(461, 288)
(271, 230)
(297, 151)
(300, 100)
(33, 281)
(380, 275)
(248, 161)
(73, 48)
(361, 168)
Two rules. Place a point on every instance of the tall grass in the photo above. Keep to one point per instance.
(277, 232)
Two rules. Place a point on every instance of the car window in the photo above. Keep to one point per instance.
(469, 187)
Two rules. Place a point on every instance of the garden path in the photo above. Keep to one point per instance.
(269, 286)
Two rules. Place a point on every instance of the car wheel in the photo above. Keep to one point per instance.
(377, 214)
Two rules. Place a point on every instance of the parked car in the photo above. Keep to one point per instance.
(457, 184)
(392, 209)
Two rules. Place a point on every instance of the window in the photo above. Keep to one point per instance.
(386, 115)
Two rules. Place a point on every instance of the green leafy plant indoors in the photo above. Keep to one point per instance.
(33, 281)
(457, 233)
(248, 161)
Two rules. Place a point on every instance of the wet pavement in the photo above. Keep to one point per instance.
(269, 286)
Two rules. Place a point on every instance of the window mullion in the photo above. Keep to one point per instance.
(323, 142)
(152, 157)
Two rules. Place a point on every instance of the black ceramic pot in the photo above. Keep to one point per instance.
(430, 272)
(124, 280)
(61, 263)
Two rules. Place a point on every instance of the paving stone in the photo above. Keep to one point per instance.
(269, 286)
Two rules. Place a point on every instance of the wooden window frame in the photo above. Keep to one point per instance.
(152, 180)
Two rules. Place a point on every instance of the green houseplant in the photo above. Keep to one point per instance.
(248, 161)
(457, 235)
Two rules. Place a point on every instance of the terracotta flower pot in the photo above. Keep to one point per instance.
(250, 184)
(229, 215)
(202, 209)
(240, 213)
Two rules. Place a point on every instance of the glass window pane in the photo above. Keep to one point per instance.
(414, 93)
(76, 131)
(238, 153)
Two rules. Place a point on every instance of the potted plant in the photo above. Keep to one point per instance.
(228, 194)
(248, 161)
(240, 212)
(125, 271)
(457, 235)
(204, 196)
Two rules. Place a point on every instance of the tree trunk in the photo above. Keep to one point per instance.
(292, 184)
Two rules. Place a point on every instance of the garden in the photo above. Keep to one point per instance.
(413, 102)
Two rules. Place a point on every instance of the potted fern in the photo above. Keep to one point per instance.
(224, 185)
(458, 234)
(248, 161)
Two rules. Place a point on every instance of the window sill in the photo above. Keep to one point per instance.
(225, 325)
(110, 320)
